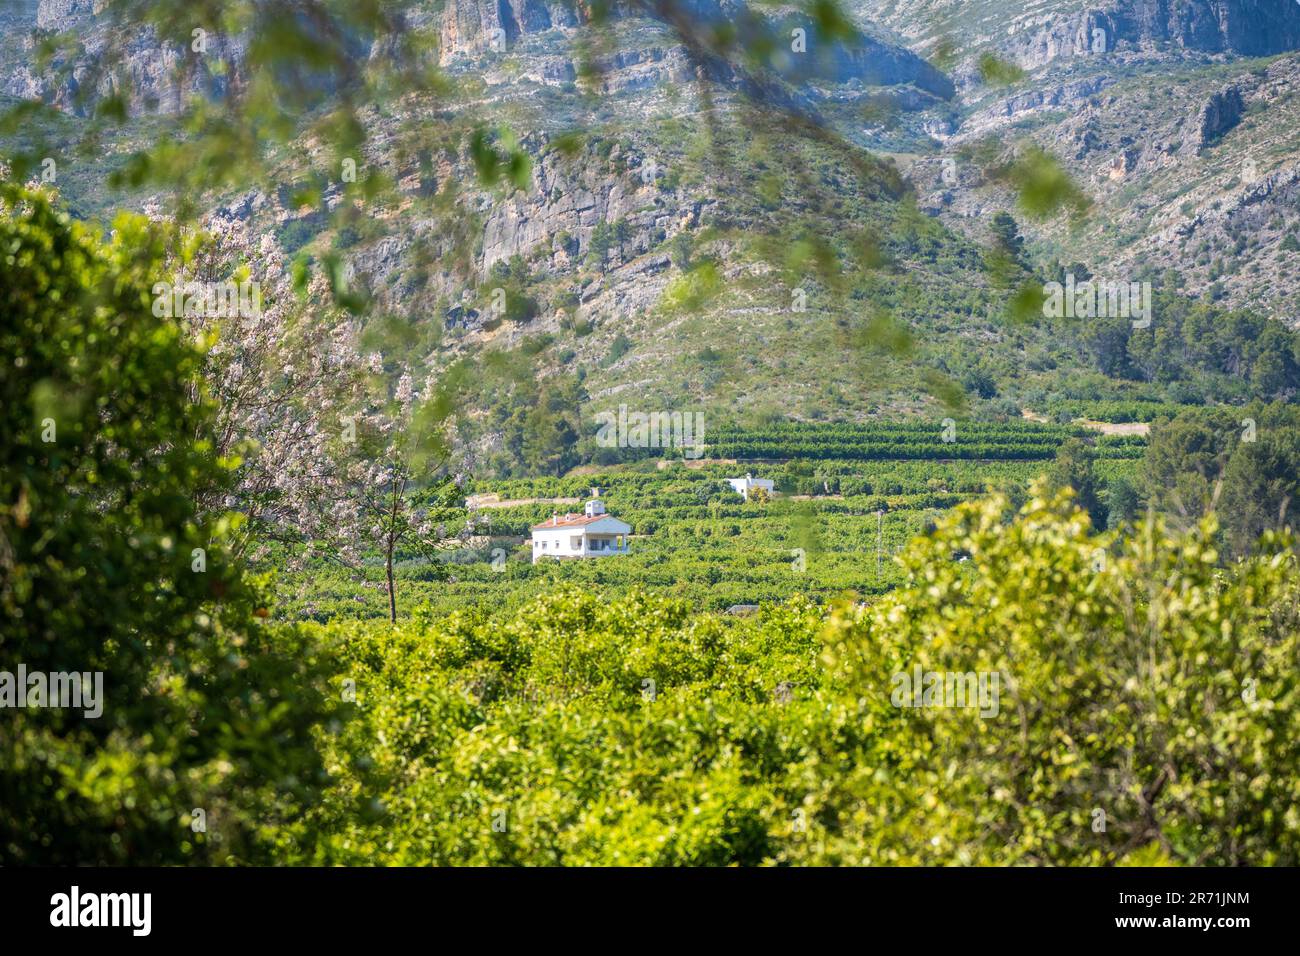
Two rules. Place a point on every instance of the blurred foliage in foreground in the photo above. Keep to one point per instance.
(107, 565)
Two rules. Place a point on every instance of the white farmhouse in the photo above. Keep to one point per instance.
(592, 534)
(744, 485)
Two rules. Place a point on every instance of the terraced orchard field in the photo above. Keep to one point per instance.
(848, 498)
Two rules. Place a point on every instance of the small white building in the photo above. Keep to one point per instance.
(592, 534)
(744, 485)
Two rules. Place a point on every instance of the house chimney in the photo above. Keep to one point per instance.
(555, 518)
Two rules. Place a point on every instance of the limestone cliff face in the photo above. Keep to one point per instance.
(17, 20)
(471, 28)
(1247, 27)
(62, 15)
(552, 226)
(472, 34)
(18, 14)
(1220, 113)
(476, 26)
(145, 69)
(568, 201)
(553, 222)
(1243, 27)
(1070, 50)
(1038, 32)
(868, 61)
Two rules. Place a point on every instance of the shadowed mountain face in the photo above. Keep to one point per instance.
(1242, 27)
(1246, 27)
(1039, 32)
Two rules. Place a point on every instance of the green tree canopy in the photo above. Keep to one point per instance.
(1243, 463)
(107, 566)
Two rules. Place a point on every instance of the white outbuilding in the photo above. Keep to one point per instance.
(592, 534)
(745, 485)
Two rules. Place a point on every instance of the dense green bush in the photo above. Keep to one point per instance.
(106, 565)
(1243, 463)
(1142, 687)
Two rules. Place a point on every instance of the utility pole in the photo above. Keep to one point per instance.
(880, 539)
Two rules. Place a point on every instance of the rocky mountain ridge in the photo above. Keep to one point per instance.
(1038, 33)
(1158, 116)
(472, 34)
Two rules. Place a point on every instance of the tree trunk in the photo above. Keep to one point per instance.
(391, 544)
(392, 593)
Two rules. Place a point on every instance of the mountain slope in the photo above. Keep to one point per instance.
(692, 249)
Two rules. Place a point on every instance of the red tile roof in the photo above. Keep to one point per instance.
(570, 521)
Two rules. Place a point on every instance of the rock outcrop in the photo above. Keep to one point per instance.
(1220, 113)
(474, 35)
(60, 15)
(1243, 27)
(155, 78)
(470, 27)
(1024, 103)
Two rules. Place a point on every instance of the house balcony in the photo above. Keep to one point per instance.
(602, 547)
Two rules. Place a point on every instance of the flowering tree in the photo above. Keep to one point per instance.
(337, 460)
(396, 491)
(282, 374)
